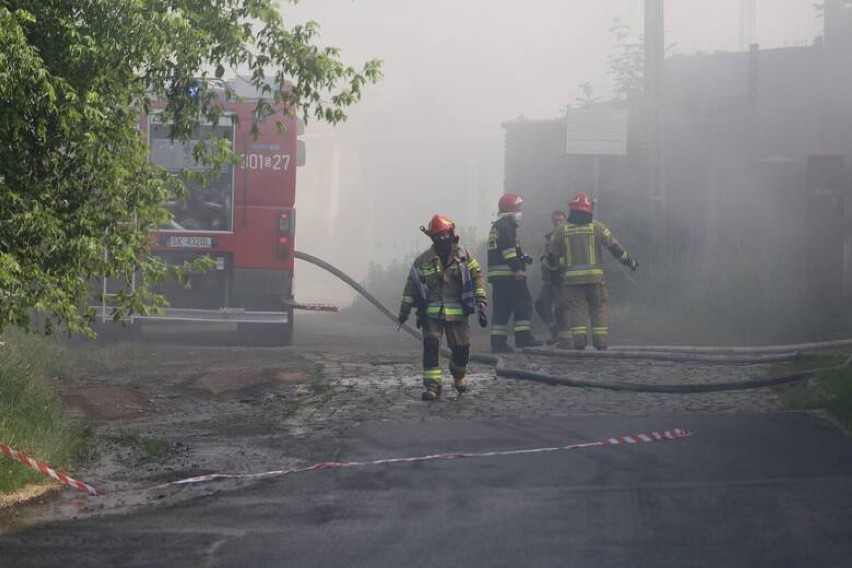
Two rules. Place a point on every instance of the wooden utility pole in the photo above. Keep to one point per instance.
(653, 78)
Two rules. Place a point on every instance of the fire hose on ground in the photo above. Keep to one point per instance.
(676, 353)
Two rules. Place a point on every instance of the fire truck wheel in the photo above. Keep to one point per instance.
(265, 334)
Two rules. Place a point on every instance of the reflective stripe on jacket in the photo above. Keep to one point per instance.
(504, 249)
(445, 287)
(579, 251)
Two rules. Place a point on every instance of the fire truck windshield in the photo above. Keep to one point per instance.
(205, 208)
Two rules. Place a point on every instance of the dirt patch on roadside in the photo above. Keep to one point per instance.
(161, 413)
(106, 403)
(230, 381)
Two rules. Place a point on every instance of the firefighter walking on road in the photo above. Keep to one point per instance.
(445, 285)
(584, 293)
(507, 273)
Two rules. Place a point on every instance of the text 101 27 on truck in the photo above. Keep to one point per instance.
(244, 220)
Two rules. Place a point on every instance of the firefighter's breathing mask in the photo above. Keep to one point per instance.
(443, 242)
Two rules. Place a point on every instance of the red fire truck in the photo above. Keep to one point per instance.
(244, 220)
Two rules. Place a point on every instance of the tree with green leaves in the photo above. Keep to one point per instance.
(626, 64)
(77, 193)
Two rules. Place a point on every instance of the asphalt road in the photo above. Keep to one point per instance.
(754, 490)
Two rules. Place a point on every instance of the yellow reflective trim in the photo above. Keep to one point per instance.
(567, 258)
(592, 249)
(587, 272)
(579, 230)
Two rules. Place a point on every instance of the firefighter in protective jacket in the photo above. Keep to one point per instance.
(507, 273)
(547, 304)
(584, 294)
(445, 285)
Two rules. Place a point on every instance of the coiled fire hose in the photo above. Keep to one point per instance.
(717, 355)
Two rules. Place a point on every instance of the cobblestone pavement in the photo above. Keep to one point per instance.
(388, 388)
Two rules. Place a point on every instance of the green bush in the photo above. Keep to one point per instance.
(32, 417)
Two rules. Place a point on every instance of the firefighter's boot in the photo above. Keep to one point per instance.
(458, 366)
(566, 339)
(431, 383)
(500, 344)
(580, 339)
(554, 335)
(432, 391)
(599, 338)
(525, 339)
(460, 383)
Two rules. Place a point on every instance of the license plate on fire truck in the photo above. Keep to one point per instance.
(183, 241)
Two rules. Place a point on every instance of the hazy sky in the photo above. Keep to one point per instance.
(428, 138)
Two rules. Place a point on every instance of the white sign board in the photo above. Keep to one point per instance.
(596, 132)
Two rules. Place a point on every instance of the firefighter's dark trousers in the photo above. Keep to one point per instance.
(582, 302)
(511, 298)
(548, 305)
(458, 339)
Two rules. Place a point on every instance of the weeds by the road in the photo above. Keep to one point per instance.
(831, 389)
(319, 385)
(108, 359)
(32, 417)
(152, 447)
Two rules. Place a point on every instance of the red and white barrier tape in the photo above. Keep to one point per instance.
(646, 438)
(57, 475)
(649, 437)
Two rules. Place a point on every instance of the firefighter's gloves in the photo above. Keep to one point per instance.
(526, 259)
(402, 318)
(480, 309)
(633, 264)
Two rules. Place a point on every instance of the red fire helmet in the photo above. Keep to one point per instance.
(509, 203)
(439, 224)
(581, 202)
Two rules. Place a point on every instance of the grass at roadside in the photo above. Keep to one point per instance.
(831, 389)
(32, 417)
(151, 447)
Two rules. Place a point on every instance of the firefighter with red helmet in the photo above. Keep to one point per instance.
(445, 285)
(584, 295)
(507, 273)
